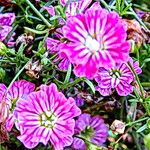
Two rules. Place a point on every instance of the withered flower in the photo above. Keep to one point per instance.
(4, 112)
(6, 2)
(3, 133)
(135, 32)
(26, 38)
(33, 69)
(118, 126)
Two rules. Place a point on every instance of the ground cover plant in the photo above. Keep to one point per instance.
(74, 74)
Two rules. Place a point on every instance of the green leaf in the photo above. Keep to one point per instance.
(55, 17)
(68, 74)
(90, 84)
(2, 74)
(118, 4)
(147, 141)
(142, 128)
(148, 123)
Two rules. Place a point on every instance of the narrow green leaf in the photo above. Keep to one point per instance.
(68, 74)
(142, 128)
(90, 84)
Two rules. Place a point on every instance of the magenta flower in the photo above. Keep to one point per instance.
(92, 129)
(97, 39)
(79, 101)
(118, 78)
(6, 21)
(46, 115)
(54, 46)
(19, 89)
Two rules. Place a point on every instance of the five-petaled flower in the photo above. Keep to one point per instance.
(118, 78)
(97, 39)
(46, 115)
(92, 129)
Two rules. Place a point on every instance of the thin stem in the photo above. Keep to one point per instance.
(135, 140)
(35, 31)
(136, 16)
(145, 84)
(137, 79)
(72, 83)
(105, 4)
(137, 121)
(16, 76)
(141, 8)
(122, 108)
(38, 13)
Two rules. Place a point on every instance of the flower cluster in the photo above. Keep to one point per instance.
(6, 21)
(91, 46)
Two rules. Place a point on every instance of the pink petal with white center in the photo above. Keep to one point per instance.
(46, 115)
(99, 42)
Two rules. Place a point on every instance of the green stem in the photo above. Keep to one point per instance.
(105, 4)
(35, 31)
(38, 13)
(145, 84)
(16, 76)
(141, 8)
(136, 16)
(137, 79)
(122, 108)
(72, 83)
(137, 121)
(136, 141)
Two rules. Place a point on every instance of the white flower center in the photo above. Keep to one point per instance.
(92, 44)
(48, 119)
(115, 74)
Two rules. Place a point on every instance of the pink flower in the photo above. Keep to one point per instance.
(54, 46)
(19, 89)
(6, 21)
(97, 39)
(46, 115)
(118, 78)
(92, 129)
(75, 7)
